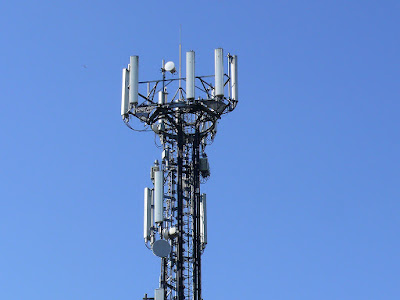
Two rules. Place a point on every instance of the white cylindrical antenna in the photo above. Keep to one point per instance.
(125, 92)
(158, 196)
(203, 219)
(234, 78)
(219, 72)
(190, 75)
(147, 214)
(162, 96)
(134, 80)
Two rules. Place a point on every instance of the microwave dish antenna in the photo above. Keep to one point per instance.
(170, 67)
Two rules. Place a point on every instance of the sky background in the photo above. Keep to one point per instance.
(303, 199)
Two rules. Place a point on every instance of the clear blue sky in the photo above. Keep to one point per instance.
(303, 200)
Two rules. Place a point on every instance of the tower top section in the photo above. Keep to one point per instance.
(160, 104)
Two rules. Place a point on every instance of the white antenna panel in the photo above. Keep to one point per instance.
(134, 80)
(147, 213)
(190, 75)
(125, 92)
(219, 72)
(234, 77)
(162, 97)
(159, 294)
(158, 196)
(203, 219)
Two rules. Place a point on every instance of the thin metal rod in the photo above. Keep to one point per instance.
(163, 76)
(180, 61)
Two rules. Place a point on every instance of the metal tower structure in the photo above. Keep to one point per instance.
(175, 215)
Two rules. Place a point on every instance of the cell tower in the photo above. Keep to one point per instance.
(175, 215)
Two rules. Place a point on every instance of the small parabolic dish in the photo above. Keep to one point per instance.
(170, 67)
(161, 248)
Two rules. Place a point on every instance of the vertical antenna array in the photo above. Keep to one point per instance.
(175, 212)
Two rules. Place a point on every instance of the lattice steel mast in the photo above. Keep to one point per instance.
(175, 215)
